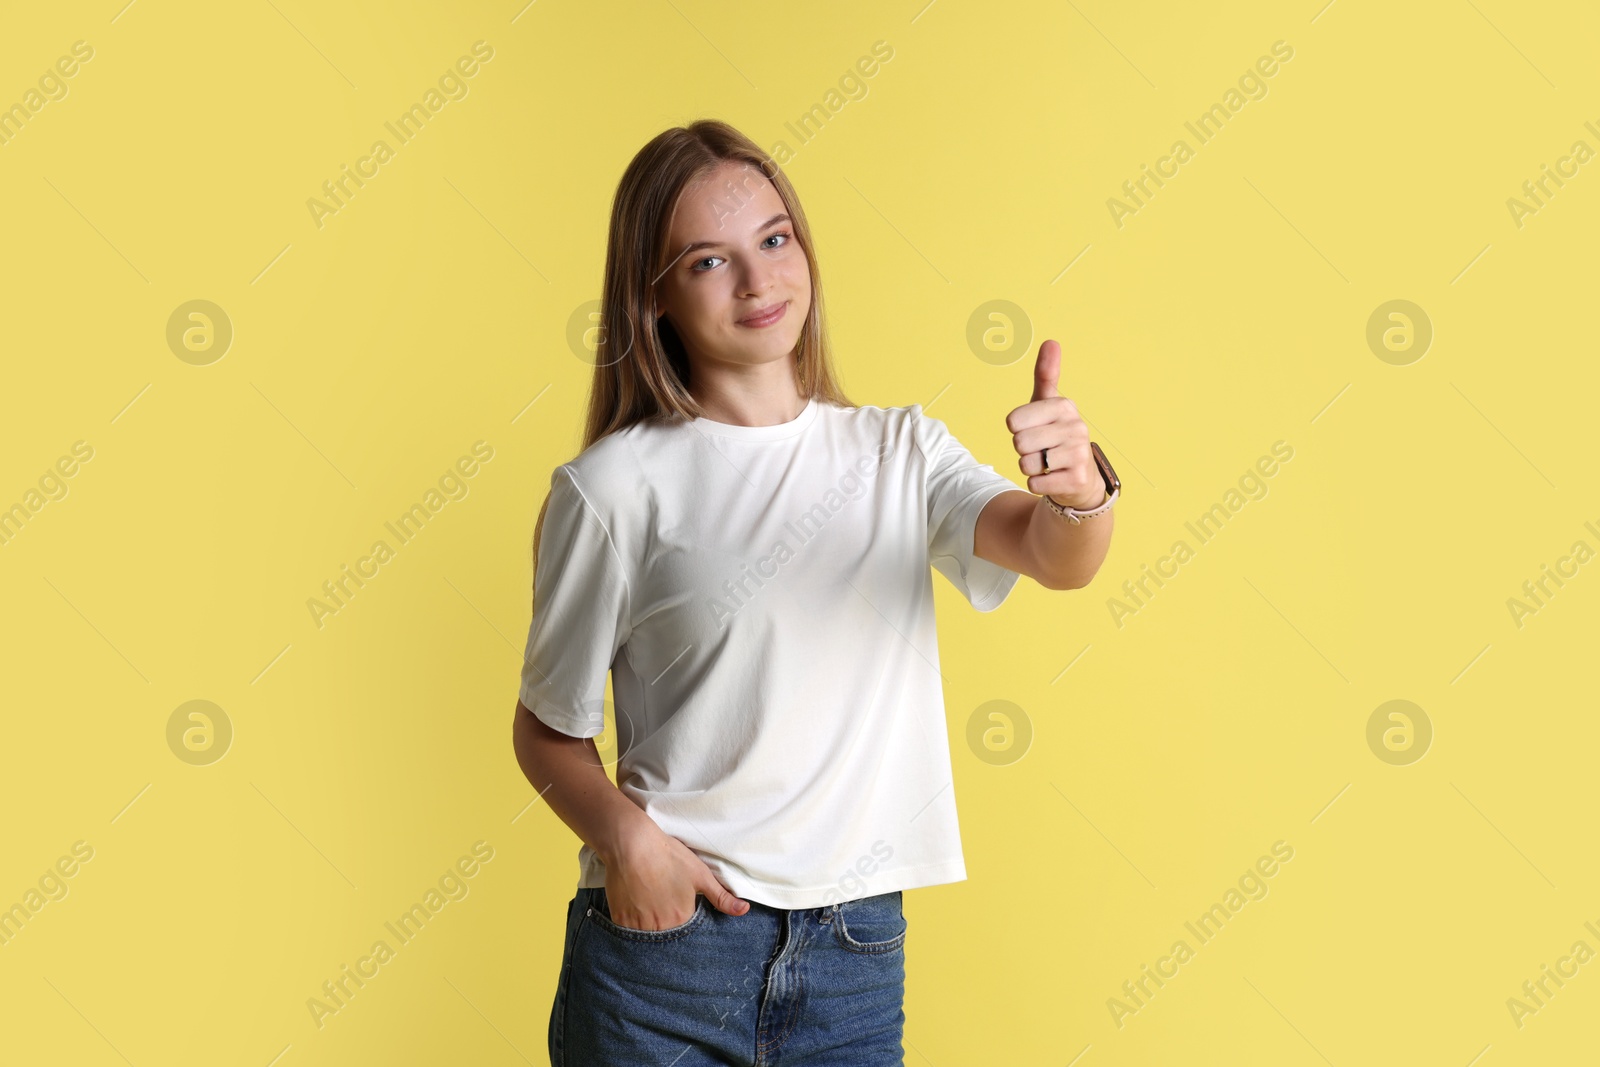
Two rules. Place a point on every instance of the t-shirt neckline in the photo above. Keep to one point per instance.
(761, 433)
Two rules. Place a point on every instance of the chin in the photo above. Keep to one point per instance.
(772, 341)
(785, 346)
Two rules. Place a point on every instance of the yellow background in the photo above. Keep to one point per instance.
(433, 310)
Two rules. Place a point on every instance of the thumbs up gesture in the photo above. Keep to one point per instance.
(1048, 429)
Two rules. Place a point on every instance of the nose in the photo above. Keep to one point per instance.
(757, 277)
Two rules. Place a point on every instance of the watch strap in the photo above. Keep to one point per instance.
(1074, 516)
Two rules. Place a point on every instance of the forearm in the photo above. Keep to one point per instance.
(1069, 554)
(570, 777)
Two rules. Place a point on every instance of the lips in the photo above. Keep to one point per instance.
(766, 316)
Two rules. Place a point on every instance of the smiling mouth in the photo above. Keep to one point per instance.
(766, 318)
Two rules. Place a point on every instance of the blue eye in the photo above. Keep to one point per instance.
(699, 266)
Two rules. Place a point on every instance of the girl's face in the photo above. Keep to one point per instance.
(736, 257)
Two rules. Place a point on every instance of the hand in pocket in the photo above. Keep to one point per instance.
(653, 883)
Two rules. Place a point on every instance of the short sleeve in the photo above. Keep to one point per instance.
(580, 614)
(958, 487)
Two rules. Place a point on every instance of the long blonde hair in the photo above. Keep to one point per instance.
(641, 370)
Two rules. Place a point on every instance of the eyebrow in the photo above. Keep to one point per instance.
(774, 220)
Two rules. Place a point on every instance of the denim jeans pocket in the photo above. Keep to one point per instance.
(600, 912)
(872, 925)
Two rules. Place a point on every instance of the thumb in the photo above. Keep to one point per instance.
(722, 897)
(1047, 371)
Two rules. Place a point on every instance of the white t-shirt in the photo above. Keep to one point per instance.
(763, 598)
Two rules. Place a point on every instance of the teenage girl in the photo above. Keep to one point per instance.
(748, 553)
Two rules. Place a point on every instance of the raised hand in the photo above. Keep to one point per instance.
(1049, 426)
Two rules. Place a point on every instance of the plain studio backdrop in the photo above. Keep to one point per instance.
(225, 385)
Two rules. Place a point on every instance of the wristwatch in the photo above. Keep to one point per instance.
(1113, 490)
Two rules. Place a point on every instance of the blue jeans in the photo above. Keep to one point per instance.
(808, 987)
